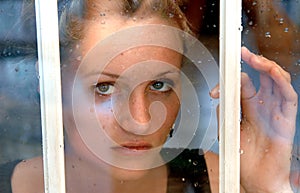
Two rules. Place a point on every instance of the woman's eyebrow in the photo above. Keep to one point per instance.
(168, 72)
(112, 75)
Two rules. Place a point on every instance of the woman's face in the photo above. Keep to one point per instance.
(135, 98)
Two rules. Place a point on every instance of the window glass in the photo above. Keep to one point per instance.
(139, 96)
(136, 83)
(20, 111)
(271, 29)
(20, 123)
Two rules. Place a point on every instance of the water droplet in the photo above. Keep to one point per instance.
(286, 29)
(241, 151)
(199, 62)
(195, 163)
(250, 23)
(281, 21)
(268, 35)
(196, 184)
(183, 179)
(103, 22)
(254, 3)
(171, 15)
(190, 160)
(134, 18)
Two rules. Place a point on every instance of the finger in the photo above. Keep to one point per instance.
(280, 77)
(262, 64)
(289, 95)
(247, 88)
(215, 92)
(266, 84)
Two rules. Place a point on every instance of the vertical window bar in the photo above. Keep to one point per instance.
(230, 56)
(50, 95)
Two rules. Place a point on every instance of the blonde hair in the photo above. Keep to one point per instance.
(77, 12)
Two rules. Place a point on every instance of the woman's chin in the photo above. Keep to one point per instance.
(127, 175)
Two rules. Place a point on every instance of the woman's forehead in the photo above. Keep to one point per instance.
(97, 30)
(147, 59)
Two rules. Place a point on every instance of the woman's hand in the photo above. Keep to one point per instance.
(267, 127)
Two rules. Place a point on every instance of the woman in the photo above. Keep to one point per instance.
(120, 110)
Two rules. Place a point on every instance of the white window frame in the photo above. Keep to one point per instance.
(51, 104)
(50, 94)
(230, 78)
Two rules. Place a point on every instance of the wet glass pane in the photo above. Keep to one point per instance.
(271, 29)
(20, 124)
(136, 80)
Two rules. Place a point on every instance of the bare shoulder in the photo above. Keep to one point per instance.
(28, 176)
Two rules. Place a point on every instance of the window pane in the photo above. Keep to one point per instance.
(20, 123)
(133, 105)
(271, 29)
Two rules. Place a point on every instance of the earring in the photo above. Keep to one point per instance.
(172, 130)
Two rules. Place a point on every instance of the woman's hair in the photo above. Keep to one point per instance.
(74, 13)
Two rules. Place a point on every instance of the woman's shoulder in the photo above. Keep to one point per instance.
(28, 176)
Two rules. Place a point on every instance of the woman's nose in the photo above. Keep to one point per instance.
(140, 114)
(139, 106)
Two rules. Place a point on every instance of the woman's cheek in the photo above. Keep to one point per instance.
(104, 112)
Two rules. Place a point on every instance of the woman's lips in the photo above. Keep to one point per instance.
(133, 148)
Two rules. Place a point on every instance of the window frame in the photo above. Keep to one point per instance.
(51, 102)
(230, 78)
(50, 96)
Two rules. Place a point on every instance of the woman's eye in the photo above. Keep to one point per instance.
(160, 86)
(104, 88)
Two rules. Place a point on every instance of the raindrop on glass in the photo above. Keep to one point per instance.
(286, 29)
(241, 151)
(268, 35)
(171, 15)
(281, 21)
